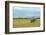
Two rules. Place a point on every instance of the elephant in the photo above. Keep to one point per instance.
(33, 20)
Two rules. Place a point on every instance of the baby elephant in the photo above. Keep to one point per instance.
(33, 20)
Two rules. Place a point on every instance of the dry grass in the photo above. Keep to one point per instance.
(17, 23)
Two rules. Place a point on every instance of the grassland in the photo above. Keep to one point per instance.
(18, 23)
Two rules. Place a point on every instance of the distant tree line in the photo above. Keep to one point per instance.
(31, 19)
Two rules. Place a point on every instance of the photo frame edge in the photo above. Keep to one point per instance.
(7, 17)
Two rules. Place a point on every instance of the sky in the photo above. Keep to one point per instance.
(26, 11)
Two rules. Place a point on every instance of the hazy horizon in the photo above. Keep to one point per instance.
(26, 11)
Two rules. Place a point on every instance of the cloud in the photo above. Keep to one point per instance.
(28, 8)
(18, 8)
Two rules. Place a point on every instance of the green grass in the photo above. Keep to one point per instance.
(17, 23)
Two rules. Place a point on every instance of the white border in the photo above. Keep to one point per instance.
(11, 29)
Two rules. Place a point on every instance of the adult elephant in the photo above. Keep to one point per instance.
(33, 20)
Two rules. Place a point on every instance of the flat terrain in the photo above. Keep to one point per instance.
(17, 23)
